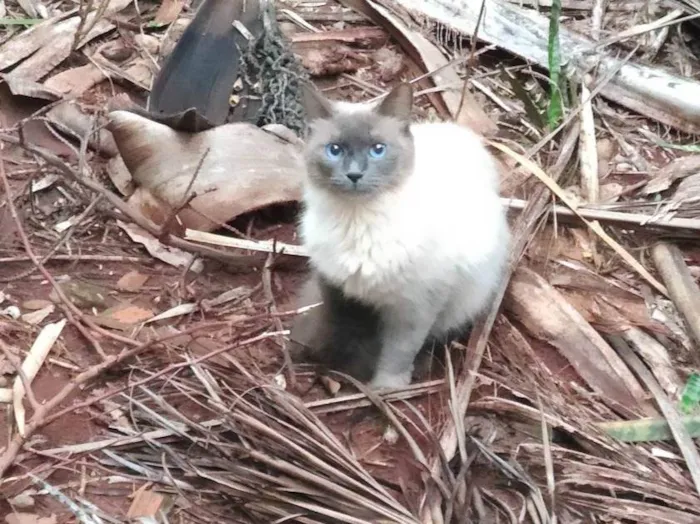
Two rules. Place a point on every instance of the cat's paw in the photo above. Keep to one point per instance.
(383, 380)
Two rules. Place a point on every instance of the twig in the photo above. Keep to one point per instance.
(266, 246)
(680, 283)
(471, 62)
(597, 18)
(79, 258)
(632, 220)
(270, 296)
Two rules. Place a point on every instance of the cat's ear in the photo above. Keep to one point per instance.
(398, 103)
(315, 104)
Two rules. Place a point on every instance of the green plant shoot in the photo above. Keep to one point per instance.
(690, 398)
(555, 109)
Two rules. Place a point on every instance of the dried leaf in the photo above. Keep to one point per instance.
(23, 500)
(30, 367)
(168, 254)
(165, 162)
(123, 316)
(168, 11)
(132, 281)
(34, 8)
(36, 304)
(20, 86)
(46, 45)
(182, 309)
(37, 317)
(674, 170)
(73, 82)
(29, 518)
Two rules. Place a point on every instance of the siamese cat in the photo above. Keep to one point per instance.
(406, 234)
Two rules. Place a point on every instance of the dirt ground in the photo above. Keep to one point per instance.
(530, 442)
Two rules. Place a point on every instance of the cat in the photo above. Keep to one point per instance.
(406, 234)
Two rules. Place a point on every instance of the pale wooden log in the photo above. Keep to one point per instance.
(651, 92)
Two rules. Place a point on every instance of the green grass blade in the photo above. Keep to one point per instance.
(555, 109)
(648, 430)
(20, 21)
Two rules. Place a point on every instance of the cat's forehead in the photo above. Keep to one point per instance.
(357, 123)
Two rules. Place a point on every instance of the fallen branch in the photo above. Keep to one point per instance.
(632, 220)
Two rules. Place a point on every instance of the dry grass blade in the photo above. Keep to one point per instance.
(267, 449)
(594, 226)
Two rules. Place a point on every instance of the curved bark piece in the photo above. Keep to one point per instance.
(232, 169)
(548, 316)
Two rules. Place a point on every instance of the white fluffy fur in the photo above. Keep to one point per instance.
(429, 254)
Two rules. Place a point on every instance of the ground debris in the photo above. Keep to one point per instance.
(167, 396)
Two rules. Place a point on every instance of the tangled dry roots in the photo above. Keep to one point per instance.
(274, 75)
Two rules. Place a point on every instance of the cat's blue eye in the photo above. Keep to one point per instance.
(377, 150)
(334, 151)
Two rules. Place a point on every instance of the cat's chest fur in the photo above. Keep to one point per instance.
(368, 249)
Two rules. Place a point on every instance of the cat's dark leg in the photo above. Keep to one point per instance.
(342, 334)
(354, 343)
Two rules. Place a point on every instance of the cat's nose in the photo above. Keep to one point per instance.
(354, 177)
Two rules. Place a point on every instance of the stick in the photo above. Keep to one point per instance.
(633, 220)
(681, 285)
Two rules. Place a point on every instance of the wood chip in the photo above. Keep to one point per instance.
(146, 504)
(30, 367)
(37, 317)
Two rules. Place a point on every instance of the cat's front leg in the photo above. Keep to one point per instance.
(403, 334)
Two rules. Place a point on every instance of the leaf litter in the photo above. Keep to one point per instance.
(569, 403)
